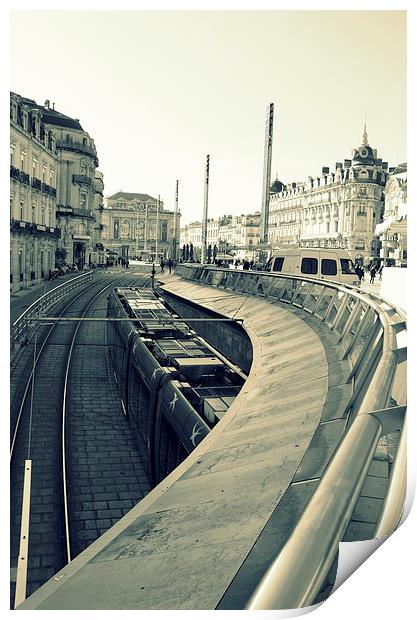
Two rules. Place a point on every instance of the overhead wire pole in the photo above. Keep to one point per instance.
(174, 239)
(205, 213)
(269, 126)
(157, 227)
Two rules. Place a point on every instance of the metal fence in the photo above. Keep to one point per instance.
(372, 334)
(21, 327)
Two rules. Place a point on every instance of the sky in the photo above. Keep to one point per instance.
(159, 90)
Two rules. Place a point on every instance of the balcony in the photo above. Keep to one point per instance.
(36, 183)
(47, 189)
(38, 230)
(19, 175)
(77, 147)
(83, 213)
(82, 179)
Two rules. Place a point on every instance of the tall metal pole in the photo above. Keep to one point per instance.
(145, 243)
(269, 125)
(157, 227)
(205, 213)
(137, 232)
(174, 239)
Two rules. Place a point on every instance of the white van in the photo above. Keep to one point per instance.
(331, 264)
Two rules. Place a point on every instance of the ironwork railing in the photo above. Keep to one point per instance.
(21, 327)
(372, 333)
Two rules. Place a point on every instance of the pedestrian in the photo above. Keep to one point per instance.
(170, 264)
(359, 272)
(251, 264)
(372, 273)
(246, 264)
(380, 271)
(127, 263)
(162, 265)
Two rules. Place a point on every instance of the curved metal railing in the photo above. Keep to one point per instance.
(22, 325)
(372, 334)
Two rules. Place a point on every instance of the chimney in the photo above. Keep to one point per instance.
(53, 105)
(384, 165)
(347, 163)
(339, 165)
(325, 170)
(47, 102)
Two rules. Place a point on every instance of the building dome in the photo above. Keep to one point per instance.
(364, 154)
(276, 186)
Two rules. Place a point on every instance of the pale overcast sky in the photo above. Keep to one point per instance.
(158, 91)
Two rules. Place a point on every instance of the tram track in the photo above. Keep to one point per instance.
(38, 437)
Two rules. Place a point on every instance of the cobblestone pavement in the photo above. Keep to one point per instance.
(106, 471)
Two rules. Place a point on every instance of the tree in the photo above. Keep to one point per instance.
(215, 250)
(187, 252)
(191, 253)
(209, 253)
(183, 252)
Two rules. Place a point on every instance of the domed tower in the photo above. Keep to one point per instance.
(364, 155)
(363, 193)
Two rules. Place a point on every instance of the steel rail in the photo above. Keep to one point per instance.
(21, 586)
(64, 418)
(29, 381)
(298, 574)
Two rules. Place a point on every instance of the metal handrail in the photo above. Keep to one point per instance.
(21, 325)
(299, 572)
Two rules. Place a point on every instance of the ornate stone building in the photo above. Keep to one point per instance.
(56, 193)
(138, 225)
(78, 189)
(393, 230)
(34, 163)
(337, 209)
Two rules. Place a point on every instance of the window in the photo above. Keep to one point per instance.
(309, 265)
(34, 167)
(83, 169)
(22, 160)
(347, 266)
(278, 263)
(43, 217)
(327, 227)
(83, 201)
(328, 267)
(43, 173)
(50, 217)
(22, 211)
(33, 218)
(12, 147)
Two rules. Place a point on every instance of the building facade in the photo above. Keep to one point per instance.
(34, 163)
(392, 231)
(56, 193)
(137, 225)
(338, 209)
(237, 233)
(78, 189)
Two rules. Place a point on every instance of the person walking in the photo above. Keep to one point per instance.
(162, 265)
(380, 271)
(359, 272)
(372, 273)
(170, 264)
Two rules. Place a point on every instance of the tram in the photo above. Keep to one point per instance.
(174, 386)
